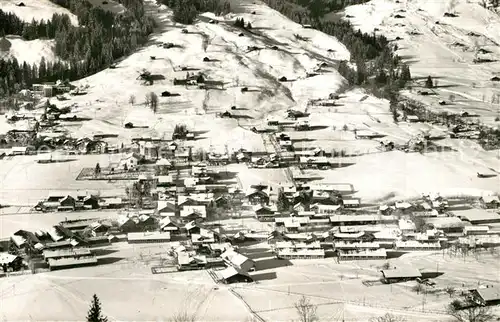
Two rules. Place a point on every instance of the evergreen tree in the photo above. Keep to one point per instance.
(249, 25)
(405, 73)
(97, 170)
(283, 203)
(94, 314)
(428, 82)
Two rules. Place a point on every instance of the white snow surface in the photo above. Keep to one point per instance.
(35, 9)
(31, 51)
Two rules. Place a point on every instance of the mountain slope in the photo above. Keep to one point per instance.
(231, 63)
(452, 49)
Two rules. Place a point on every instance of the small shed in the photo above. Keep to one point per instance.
(495, 79)
(283, 79)
(400, 275)
(206, 59)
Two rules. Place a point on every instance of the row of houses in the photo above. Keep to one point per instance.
(78, 200)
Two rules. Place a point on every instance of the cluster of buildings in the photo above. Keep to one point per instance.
(76, 200)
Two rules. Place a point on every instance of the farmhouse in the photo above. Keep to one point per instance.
(192, 212)
(148, 237)
(9, 261)
(238, 261)
(400, 275)
(325, 209)
(489, 202)
(264, 213)
(204, 236)
(232, 275)
(256, 196)
(170, 225)
(487, 296)
(476, 230)
(131, 161)
(166, 208)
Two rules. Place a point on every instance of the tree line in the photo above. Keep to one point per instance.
(373, 63)
(100, 38)
(186, 11)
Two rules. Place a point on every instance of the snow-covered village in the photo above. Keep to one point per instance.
(250, 160)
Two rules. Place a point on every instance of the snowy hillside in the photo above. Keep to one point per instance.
(456, 42)
(31, 51)
(276, 53)
(35, 9)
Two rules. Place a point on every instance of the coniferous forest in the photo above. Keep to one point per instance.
(376, 66)
(99, 39)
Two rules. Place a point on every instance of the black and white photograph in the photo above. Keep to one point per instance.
(250, 160)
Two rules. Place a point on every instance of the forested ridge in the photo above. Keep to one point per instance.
(376, 66)
(100, 38)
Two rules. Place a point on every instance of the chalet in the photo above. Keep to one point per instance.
(232, 275)
(446, 224)
(192, 228)
(299, 207)
(487, 296)
(256, 196)
(187, 262)
(67, 203)
(192, 212)
(10, 262)
(489, 202)
(131, 161)
(110, 203)
(148, 237)
(264, 213)
(149, 150)
(400, 275)
(406, 226)
(166, 208)
(170, 225)
(204, 236)
(238, 261)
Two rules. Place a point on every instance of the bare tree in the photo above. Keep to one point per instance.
(306, 310)
(472, 313)
(183, 316)
(131, 99)
(153, 101)
(418, 288)
(388, 317)
(147, 100)
(450, 290)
